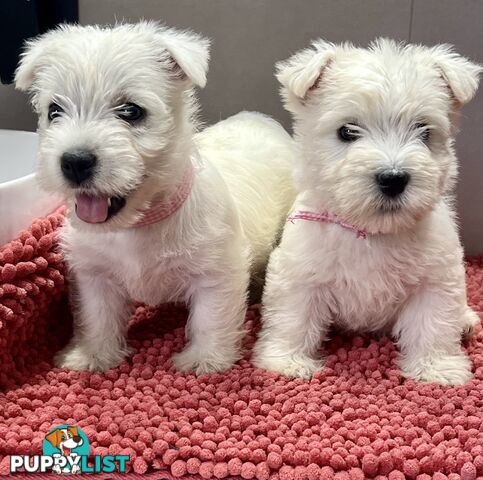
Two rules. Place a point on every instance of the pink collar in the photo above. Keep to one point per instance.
(162, 208)
(326, 217)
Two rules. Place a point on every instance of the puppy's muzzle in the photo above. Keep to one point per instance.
(78, 166)
(392, 183)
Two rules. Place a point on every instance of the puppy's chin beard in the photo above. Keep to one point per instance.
(392, 217)
(390, 208)
(378, 215)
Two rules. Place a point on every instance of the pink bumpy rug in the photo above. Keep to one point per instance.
(356, 419)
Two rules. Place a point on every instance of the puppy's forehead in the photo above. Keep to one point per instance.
(101, 61)
(390, 83)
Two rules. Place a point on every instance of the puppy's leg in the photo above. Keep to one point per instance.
(429, 336)
(215, 324)
(295, 321)
(100, 323)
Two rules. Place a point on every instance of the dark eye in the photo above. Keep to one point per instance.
(54, 111)
(423, 131)
(348, 133)
(130, 112)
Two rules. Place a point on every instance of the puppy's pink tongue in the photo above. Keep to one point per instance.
(91, 209)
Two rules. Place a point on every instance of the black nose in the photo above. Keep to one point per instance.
(77, 438)
(78, 166)
(392, 183)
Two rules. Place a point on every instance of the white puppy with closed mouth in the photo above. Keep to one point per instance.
(372, 243)
(156, 211)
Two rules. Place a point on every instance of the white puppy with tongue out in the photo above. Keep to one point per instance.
(156, 213)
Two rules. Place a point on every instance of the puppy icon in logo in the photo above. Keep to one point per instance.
(66, 444)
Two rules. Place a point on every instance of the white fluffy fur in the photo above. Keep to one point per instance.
(408, 276)
(203, 254)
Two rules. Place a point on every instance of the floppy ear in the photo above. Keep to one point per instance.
(190, 53)
(460, 74)
(54, 437)
(30, 61)
(73, 431)
(33, 58)
(303, 71)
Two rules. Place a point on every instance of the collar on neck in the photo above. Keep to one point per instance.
(326, 217)
(162, 207)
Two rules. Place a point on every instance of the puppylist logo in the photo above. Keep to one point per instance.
(66, 451)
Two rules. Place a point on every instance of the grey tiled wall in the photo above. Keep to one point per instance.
(249, 36)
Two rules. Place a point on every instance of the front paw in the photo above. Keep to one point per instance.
(298, 365)
(78, 357)
(202, 362)
(470, 321)
(443, 369)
